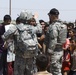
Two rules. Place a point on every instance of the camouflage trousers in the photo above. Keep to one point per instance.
(56, 62)
(23, 66)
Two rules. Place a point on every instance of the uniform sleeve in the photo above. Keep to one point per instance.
(53, 32)
(11, 31)
(37, 29)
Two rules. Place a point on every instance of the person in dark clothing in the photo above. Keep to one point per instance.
(3, 51)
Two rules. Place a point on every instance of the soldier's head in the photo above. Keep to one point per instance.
(18, 20)
(53, 14)
(25, 16)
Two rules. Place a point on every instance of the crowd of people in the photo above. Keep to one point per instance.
(31, 47)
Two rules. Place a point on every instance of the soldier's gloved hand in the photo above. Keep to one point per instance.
(50, 51)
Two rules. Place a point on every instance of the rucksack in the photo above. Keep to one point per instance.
(62, 32)
(25, 40)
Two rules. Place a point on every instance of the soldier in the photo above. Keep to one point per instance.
(54, 45)
(24, 59)
(27, 61)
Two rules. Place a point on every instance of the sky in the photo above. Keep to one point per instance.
(67, 8)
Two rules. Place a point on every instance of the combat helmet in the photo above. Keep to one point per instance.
(25, 14)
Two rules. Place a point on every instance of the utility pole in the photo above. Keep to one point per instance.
(10, 7)
(75, 23)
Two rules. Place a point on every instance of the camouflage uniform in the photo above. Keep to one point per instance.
(54, 49)
(22, 64)
(24, 60)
